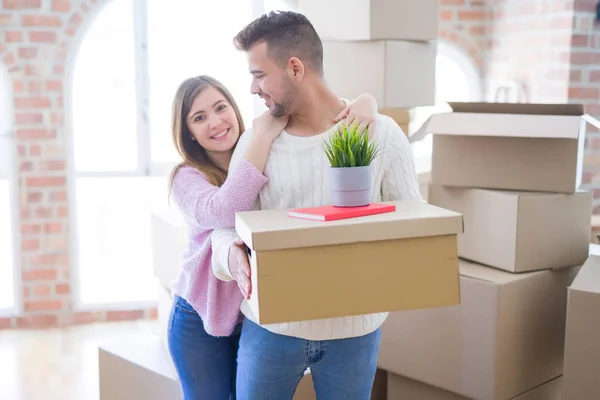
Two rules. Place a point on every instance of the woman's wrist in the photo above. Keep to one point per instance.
(261, 140)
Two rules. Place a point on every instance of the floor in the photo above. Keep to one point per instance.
(57, 364)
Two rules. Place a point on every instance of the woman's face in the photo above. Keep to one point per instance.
(213, 122)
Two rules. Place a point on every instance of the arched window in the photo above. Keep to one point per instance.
(457, 79)
(7, 198)
(127, 69)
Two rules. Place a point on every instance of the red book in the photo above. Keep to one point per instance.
(332, 213)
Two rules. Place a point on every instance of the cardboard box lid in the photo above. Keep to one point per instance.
(588, 278)
(516, 195)
(517, 108)
(493, 275)
(508, 120)
(275, 230)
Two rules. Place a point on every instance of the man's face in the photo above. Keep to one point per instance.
(271, 82)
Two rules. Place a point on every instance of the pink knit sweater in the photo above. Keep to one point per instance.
(206, 207)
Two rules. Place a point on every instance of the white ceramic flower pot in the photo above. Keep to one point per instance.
(351, 187)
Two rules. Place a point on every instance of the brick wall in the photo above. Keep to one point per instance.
(36, 38)
(464, 23)
(529, 43)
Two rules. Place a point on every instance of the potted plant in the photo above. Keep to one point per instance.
(350, 151)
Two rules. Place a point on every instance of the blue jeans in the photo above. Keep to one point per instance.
(271, 365)
(205, 364)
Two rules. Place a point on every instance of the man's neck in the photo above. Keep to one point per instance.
(317, 111)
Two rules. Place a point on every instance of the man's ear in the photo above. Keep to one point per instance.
(296, 69)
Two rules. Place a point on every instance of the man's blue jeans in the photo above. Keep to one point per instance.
(271, 365)
(205, 364)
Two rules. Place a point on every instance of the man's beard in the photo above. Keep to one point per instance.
(283, 108)
(278, 110)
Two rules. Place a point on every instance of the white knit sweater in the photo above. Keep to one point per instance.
(297, 177)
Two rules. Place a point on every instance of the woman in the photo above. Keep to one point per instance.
(204, 326)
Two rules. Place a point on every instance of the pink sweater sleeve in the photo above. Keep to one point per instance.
(211, 207)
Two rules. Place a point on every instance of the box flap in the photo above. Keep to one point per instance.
(275, 230)
(505, 125)
(591, 120)
(588, 278)
(489, 274)
(517, 108)
(508, 120)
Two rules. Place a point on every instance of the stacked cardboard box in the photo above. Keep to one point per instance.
(581, 375)
(169, 239)
(169, 236)
(402, 116)
(513, 171)
(136, 367)
(595, 229)
(400, 387)
(383, 47)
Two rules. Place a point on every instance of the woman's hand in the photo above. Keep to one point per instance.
(239, 267)
(268, 127)
(362, 111)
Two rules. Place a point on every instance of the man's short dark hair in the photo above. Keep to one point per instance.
(287, 34)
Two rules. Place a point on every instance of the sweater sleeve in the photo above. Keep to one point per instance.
(400, 180)
(212, 207)
(222, 239)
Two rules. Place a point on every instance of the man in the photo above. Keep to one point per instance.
(285, 57)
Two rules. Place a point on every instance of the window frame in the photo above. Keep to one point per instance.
(10, 174)
(146, 166)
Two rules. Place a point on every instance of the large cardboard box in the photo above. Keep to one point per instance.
(531, 147)
(380, 386)
(169, 240)
(505, 338)
(595, 229)
(582, 342)
(402, 116)
(305, 389)
(400, 388)
(138, 367)
(424, 182)
(398, 74)
(372, 19)
(305, 270)
(164, 306)
(520, 231)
